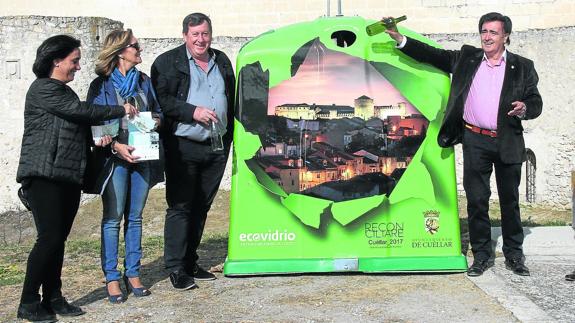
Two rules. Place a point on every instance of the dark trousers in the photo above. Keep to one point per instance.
(480, 156)
(54, 206)
(193, 176)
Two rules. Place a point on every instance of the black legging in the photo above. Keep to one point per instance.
(54, 205)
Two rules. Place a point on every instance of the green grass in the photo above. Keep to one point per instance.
(531, 216)
(215, 237)
(11, 274)
(530, 223)
(83, 248)
(14, 253)
(83, 252)
(153, 245)
(13, 263)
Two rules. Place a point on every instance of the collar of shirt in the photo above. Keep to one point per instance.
(212, 55)
(503, 58)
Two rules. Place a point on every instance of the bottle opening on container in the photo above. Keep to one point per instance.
(343, 38)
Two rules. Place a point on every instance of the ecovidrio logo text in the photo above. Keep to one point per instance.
(269, 236)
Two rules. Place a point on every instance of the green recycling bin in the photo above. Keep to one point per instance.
(336, 165)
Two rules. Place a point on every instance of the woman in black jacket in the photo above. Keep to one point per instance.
(51, 170)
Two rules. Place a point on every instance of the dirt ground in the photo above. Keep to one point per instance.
(283, 298)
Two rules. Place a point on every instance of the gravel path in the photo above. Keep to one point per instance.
(288, 298)
(302, 298)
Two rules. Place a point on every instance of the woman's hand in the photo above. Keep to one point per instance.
(125, 152)
(158, 123)
(130, 110)
(104, 141)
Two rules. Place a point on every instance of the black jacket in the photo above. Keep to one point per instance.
(519, 84)
(171, 80)
(56, 132)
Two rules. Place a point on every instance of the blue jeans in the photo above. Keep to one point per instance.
(124, 196)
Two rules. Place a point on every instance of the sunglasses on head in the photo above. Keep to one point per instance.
(136, 46)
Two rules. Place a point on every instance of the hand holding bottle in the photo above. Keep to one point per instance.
(388, 23)
(204, 115)
(391, 23)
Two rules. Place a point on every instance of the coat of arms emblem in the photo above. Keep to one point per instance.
(431, 221)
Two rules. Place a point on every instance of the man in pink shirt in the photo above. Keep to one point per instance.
(492, 91)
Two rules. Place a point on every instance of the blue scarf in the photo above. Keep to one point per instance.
(127, 86)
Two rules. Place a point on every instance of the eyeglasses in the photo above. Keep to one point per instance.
(136, 46)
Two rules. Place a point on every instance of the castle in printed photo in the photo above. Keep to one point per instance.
(353, 136)
(363, 108)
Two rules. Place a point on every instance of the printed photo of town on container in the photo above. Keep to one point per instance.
(341, 131)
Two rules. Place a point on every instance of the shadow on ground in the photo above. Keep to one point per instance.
(212, 254)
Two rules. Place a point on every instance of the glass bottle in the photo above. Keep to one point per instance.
(380, 26)
(216, 137)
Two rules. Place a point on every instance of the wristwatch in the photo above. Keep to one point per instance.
(112, 147)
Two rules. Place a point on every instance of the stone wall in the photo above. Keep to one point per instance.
(20, 36)
(19, 39)
(153, 18)
(152, 47)
(550, 136)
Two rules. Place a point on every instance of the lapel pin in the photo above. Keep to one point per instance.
(512, 66)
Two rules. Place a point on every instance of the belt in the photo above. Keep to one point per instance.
(485, 132)
(206, 142)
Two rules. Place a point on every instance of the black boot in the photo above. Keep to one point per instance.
(61, 307)
(36, 312)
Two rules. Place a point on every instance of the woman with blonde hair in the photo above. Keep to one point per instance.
(127, 180)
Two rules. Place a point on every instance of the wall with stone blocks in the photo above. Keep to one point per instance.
(551, 136)
(19, 39)
(20, 36)
(153, 18)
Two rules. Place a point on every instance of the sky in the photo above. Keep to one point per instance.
(330, 77)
